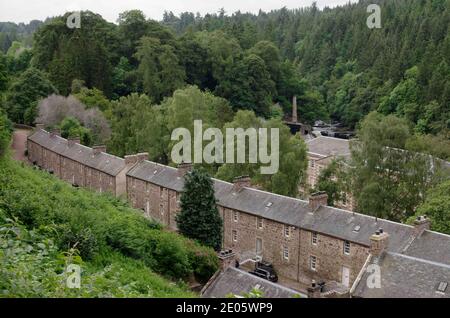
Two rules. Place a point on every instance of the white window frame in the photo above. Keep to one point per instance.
(347, 245)
(286, 231)
(234, 235)
(314, 238)
(313, 262)
(259, 223)
(286, 253)
(235, 216)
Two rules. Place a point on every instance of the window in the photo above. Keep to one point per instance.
(235, 216)
(286, 231)
(346, 247)
(314, 238)
(313, 262)
(234, 235)
(258, 246)
(285, 253)
(311, 163)
(260, 223)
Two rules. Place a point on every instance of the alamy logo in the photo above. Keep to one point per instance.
(74, 276)
(258, 150)
(74, 20)
(374, 277)
(374, 19)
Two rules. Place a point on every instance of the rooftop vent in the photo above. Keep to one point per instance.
(442, 287)
(269, 204)
(356, 228)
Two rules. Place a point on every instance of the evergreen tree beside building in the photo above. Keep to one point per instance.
(199, 217)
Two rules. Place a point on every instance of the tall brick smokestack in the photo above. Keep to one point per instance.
(294, 109)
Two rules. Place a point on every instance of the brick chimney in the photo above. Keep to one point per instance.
(294, 109)
(40, 126)
(378, 242)
(227, 259)
(184, 168)
(72, 141)
(55, 132)
(133, 159)
(98, 149)
(142, 156)
(314, 290)
(241, 182)
(421, 223)
(317, 200)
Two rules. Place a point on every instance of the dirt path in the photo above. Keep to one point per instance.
(19, 144)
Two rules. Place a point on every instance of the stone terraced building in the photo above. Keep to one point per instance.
(305, 241)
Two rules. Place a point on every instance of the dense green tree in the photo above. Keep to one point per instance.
(335, 181)
(3, 73)
(71, 127)
(247, 85)
(85, 53)
(437, 207)
(24, 94)
(199, 218)
(291, 155)
(159, 68)
(390, 180)
(5, 133)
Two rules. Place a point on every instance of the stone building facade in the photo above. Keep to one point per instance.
(79, 165)
(305, 241)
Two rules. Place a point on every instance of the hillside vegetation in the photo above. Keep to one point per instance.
(46, 225)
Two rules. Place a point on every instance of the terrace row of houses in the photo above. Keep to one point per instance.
(305, 241)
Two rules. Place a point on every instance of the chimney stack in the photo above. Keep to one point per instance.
(40, 126)
(318, 199)
(378, 242)
(421, 223)
(241, 182)
(134, 159)
(227, 259)
(72, 141)
(294, 109)
(314, 290)
(55, 132)
(98, 149)
(184, 168)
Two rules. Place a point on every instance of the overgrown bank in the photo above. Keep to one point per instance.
(46, 224)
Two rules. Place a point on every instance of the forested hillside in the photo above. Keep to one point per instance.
(402, 68)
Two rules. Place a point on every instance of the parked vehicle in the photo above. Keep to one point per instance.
(266, 271)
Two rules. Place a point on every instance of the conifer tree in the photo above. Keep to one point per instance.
(199, 217)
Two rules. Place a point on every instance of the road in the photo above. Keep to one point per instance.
(19, 144)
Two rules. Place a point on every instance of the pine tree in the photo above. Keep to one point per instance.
(199, 217)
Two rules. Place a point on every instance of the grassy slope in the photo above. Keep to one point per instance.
(120, 250)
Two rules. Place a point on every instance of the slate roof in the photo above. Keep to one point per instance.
(431, 246)
(236, 281)
(405, 277)
(104, 162)
(329, 146)
(327, 220)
